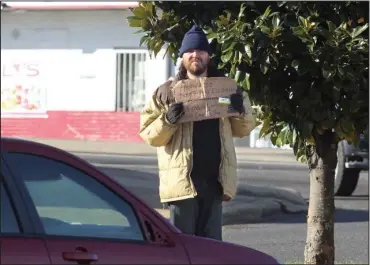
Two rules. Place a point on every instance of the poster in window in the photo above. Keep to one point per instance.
(22, 91)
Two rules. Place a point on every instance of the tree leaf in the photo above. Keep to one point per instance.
(227, 57)
(240, 56)
(282, 138)
(248, 51)
(302, 158)
(233, 70)
(357, 31)
(302, 22)
(149, 8)
(157, 48)
(273, 138)
(143, 39)
(134, 22)
(139, 12)
(139, 31)
(212, 35)
(265, 29)
(246, 84)
(267, 12)
(276, 21)
(295, 64)
(331, 26)
(241, 12)
(264, 65)
(266, 128)
(145, 24)
(273, 14)
(229, 46)
(239, 76)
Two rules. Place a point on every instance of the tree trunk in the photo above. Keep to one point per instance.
(320, 219)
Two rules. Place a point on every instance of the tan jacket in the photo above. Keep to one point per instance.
(174, 150)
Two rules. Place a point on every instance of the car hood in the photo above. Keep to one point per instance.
(208, 251)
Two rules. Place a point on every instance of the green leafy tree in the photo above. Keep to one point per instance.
(305, 66)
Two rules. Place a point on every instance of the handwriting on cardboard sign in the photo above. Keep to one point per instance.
(204, 87)
(187, 90)
(219, 87)
(205, 109)
(201, 97)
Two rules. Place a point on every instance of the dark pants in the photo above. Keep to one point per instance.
(198, 216)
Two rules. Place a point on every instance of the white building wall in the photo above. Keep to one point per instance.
(85, 30)
(75, 52)
(75, 55)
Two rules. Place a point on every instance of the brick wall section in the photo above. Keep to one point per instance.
(77, 125)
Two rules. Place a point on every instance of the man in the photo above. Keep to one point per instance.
(196, 160)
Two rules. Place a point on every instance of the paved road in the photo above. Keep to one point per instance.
(283, 236)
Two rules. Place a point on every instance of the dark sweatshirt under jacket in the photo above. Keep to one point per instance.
(207, 154)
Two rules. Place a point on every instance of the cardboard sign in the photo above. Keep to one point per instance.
(205, 98)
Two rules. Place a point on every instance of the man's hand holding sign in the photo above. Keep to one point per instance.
(205, 98)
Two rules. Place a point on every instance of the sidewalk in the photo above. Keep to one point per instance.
(143, 149)
(252, 203)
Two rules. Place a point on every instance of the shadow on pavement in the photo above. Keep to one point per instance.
(356, 197)
(341, 216)
(145, 186)
(142, 184)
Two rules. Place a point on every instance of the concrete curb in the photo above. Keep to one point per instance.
(246, 209)
(253, 204)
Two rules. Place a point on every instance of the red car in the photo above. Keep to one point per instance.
(58, 209)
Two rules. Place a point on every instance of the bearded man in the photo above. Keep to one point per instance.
(197, 161)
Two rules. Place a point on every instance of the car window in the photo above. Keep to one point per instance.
(9, 223)
(72, 203)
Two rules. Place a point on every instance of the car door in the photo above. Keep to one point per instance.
(17, 245)
(83, 220)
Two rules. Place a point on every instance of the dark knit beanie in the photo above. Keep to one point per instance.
(195, 38)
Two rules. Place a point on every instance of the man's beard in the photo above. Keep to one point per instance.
(197, 69)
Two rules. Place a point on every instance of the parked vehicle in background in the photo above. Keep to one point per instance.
(351, 161)
(58, 209)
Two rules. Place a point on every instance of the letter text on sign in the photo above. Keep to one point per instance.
(201, 97)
